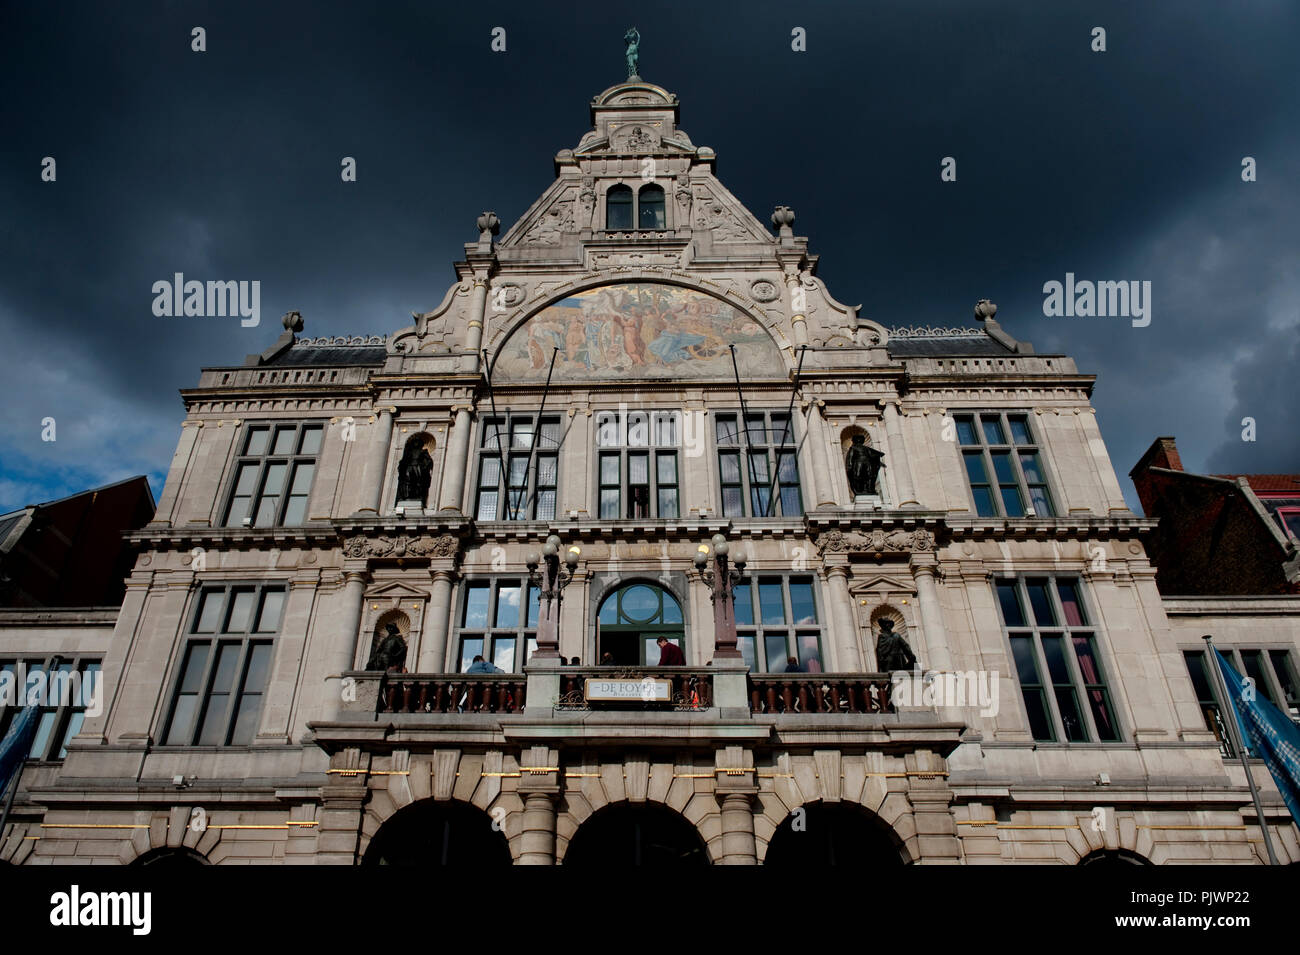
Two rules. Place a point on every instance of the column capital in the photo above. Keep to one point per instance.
(924, 564)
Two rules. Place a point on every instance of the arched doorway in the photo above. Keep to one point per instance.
(432, 833)
(631, 621)
(641, 834)
(820, 834)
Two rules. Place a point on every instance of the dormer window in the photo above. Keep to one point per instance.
(625, 211)
(650, 206)
(618, 208)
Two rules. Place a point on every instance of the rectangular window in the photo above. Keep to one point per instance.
(786, 624)
(1057, 662)
(1003, 465)
(273, 474)
(637, 465)
(225, 666)
(1207, 698)
(62, 691)
(1272, 671)
(524, 485)
(498, 621)
(758, 469)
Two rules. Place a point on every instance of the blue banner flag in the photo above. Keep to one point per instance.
(17, 744)
(1269, 734)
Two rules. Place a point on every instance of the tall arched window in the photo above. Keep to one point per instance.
(618, 208)
(631, 621)
(650, 206)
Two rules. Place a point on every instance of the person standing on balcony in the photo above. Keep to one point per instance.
(479, 665)
(670, 655)
(792, 665)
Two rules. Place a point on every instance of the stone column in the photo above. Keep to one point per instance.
(342, 799)
(537, 844)
(798, 307)
(924, 568)
(736, 787)
(897, 459)
(454, 465)
(433, 644)
(457, 460)
(379, 457)
(539, 785)
(847, 657)
(738, 830)
(822, 483)
(474, 335)
(347, 625)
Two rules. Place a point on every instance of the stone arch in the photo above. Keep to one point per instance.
(1111, 858)
(771, 319)
(874, 782)
(636, 833)
(170, 857)
(438, 832)
(834, 833)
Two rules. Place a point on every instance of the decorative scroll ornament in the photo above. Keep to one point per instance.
(876, 542)
(400, 546)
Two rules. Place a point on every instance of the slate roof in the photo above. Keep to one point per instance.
(944, 346)
(313, 355)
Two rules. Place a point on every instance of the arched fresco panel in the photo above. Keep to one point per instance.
(638, 330)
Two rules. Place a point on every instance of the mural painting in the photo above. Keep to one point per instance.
(639, 330)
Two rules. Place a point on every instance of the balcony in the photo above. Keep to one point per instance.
(446, 692)
(690, 690)
(812, 693)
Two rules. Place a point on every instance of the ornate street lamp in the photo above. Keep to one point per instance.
(551, 581)
(722, 581)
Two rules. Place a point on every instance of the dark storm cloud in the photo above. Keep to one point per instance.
(225, 165)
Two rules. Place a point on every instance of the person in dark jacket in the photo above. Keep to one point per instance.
(670, 655)
(792, 665)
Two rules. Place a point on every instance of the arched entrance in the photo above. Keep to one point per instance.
(631, 621)
(641, 834)
(432, 833)
(821, 834)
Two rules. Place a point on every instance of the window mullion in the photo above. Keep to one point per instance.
(990, 473)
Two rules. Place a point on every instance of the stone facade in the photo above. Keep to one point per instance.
(330, 754)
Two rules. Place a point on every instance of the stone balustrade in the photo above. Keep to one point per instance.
(813, 693)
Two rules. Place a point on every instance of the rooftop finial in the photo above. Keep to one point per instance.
(633, 40)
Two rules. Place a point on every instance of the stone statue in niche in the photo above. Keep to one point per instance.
(390, 652)
(892, 651)
(862, 463)
(414, 472)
